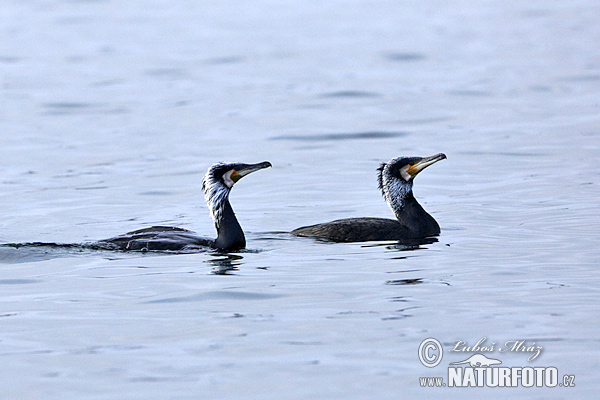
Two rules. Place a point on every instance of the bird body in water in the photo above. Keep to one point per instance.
(395, 182)
(217, 184)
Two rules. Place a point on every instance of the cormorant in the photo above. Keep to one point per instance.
(395, 181)
(217, 183)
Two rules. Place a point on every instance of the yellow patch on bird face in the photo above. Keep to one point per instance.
(235, 175)
(413, 170)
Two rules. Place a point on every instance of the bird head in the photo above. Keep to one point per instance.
(220, 178)
(406, 168)
(395, 177)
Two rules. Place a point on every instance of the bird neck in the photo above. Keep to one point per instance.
(229, 232)
(397, 194)
(412, 214)
(409, 212)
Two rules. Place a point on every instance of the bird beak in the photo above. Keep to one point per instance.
(247, 169)
(419, 166)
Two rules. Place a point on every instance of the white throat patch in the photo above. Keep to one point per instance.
(394, 189)
(227, 179)
(215, 194)
(404, 173)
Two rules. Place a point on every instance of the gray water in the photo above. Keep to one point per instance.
(112, 112)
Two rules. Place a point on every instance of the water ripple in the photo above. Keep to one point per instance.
(342, 136)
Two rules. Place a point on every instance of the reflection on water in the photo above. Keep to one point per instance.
(405, 244)
(225, 264)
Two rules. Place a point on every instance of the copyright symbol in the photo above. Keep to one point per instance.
(427, 352)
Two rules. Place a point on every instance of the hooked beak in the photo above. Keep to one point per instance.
(420, 165)
(248, 169)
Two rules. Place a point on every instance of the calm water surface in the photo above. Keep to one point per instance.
(112, 112)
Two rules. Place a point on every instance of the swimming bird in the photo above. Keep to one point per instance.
(395, 182)
(217, 184)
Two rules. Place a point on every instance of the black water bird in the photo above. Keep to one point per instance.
(217, 184)
(395, 181)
